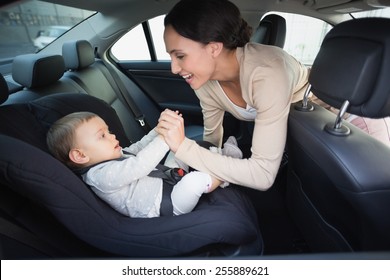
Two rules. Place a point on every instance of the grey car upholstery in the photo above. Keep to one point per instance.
(39, 75)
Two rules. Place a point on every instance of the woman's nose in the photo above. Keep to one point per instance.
(175, 68)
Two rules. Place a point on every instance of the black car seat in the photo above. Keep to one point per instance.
(339, 179)
(54, 206)
(271, 31)
(103, 80)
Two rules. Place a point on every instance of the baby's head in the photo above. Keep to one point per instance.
(82, 139)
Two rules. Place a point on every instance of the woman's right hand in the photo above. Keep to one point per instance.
(171, 127)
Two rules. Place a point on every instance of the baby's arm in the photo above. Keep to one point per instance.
(138, 146)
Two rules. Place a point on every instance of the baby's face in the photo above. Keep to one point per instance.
(95, 141)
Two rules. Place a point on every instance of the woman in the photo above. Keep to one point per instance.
(208, 42)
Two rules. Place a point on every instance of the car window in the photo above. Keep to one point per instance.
(303, 45)
(304, 36)
(157, 30)
(31, 25)
(133, 45)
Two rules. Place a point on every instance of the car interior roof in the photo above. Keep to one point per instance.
(323, 9)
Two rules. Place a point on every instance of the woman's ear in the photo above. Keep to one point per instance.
(78, 157)
(216, 48)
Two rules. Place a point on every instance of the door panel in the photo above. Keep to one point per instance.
(171, 91)
(165, 89)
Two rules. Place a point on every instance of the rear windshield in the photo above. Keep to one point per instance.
(30, 26)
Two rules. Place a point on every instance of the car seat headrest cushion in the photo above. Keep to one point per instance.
(353, 64)
(78, 54)
(34, 70)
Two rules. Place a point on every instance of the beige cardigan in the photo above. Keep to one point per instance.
(270, 80)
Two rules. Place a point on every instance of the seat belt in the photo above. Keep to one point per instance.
(138, 115)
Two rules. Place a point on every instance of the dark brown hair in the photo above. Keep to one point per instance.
(206, 21)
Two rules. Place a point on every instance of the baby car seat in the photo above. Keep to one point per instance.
(45, 199)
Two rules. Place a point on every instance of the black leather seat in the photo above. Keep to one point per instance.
(339, 179)
(271, 31)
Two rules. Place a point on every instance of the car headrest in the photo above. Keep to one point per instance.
(271, 31)
(353, 65)
(78, 54)
(4, 92)
(36, 70)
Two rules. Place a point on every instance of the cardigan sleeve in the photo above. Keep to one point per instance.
(271, 96)
(259, 171)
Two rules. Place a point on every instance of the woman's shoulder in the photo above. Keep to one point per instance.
(259, 52)
(208, 90)
(257, 59)
(264, 60)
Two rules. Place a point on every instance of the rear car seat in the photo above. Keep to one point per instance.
(97, 79)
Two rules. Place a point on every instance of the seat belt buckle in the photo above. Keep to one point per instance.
(141, 120)
(177, 173)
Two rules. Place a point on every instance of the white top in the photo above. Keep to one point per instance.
(124, 184)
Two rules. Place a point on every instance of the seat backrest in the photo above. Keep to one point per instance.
(339, 181)
(88, 72)
(271, 31)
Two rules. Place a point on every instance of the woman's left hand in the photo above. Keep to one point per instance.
(171, 127)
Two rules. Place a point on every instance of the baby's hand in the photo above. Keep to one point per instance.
(171, 127)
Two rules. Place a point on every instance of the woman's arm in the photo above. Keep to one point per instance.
(171, 127)
(272, 103)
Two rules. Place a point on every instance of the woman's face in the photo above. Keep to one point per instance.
(190, 59)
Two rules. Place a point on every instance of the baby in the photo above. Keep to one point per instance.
(123, 177)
